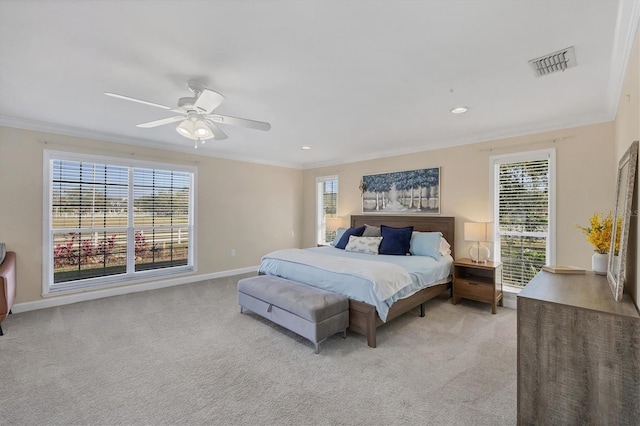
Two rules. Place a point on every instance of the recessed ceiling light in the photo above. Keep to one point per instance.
(306, 148)
(459, 110)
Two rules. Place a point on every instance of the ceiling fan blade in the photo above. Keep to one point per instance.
(208, 101)
(127, 98)
(161, 122)
(217, 133)
(252, 124)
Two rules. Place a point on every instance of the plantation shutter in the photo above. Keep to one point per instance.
(523, 226)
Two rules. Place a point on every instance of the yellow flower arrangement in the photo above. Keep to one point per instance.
(599, 232)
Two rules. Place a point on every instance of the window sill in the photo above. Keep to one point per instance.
(72, 287)
(511, 289)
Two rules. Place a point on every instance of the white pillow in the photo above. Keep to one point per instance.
(367, 245)
(445, 247)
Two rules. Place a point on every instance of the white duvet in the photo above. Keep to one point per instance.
(379, 280)
(387, 279)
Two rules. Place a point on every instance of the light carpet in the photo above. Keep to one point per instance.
(185, 355)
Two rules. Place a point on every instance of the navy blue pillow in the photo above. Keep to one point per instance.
(396, 241)
(356, 232)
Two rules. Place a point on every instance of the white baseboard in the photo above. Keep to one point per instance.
(126, 289)
(510, 298)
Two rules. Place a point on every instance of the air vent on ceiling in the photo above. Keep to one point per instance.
(556, 61)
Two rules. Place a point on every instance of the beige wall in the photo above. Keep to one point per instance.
(244, 206)
(585, 178)
(255, 208)
(627, 130)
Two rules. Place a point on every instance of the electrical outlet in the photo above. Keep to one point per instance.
(233, 252)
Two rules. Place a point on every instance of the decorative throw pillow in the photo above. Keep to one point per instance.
(371, 231)
(445, 247)
(367, 245)
(356, 232)
(339, 234)
(426, 244)
(395, 241)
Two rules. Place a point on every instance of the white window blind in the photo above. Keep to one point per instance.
(111, 221)
(523, 213)
(327, 205)
(160, 218)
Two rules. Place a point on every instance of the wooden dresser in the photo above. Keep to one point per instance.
(578, 353)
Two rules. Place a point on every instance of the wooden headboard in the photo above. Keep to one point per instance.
(443, 224)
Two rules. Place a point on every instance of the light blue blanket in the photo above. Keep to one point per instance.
(322, 272)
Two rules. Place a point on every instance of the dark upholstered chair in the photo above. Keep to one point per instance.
(7, 285)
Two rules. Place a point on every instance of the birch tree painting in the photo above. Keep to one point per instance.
(413, 191)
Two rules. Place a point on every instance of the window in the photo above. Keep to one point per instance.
(327, 208)
(523, 195)
(109, 220)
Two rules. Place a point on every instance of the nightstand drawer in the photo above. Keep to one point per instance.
(474, 289)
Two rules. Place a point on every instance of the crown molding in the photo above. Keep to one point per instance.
(626, 28)
(39, 126)
(479, 138)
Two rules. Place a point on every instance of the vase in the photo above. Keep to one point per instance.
(599, 263)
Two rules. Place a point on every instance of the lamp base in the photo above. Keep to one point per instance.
(479, 254)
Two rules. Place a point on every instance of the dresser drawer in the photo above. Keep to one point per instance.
(474, 289)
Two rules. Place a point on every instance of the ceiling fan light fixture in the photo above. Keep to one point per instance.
(186, 128)
(194, 129)
(201, 130)
(196, 115)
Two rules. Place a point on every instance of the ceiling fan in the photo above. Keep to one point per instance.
(198, 122)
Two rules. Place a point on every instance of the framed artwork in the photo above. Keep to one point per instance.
(617, 266)
(409, 192)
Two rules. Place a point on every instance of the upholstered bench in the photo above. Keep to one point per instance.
(311, 312)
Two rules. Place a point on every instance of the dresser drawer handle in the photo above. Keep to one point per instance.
(472, 283)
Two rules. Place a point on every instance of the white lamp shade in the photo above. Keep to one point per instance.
(333, 223)
(476, 231)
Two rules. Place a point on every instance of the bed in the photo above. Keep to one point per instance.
(368, 308)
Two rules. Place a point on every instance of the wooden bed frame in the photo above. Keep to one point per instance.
(363, 318)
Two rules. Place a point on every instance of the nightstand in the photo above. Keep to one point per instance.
(477, 281)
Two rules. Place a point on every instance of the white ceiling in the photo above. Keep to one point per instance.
(352, 79)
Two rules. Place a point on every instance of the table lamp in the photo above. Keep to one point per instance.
(478, 231)
(333, 223)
